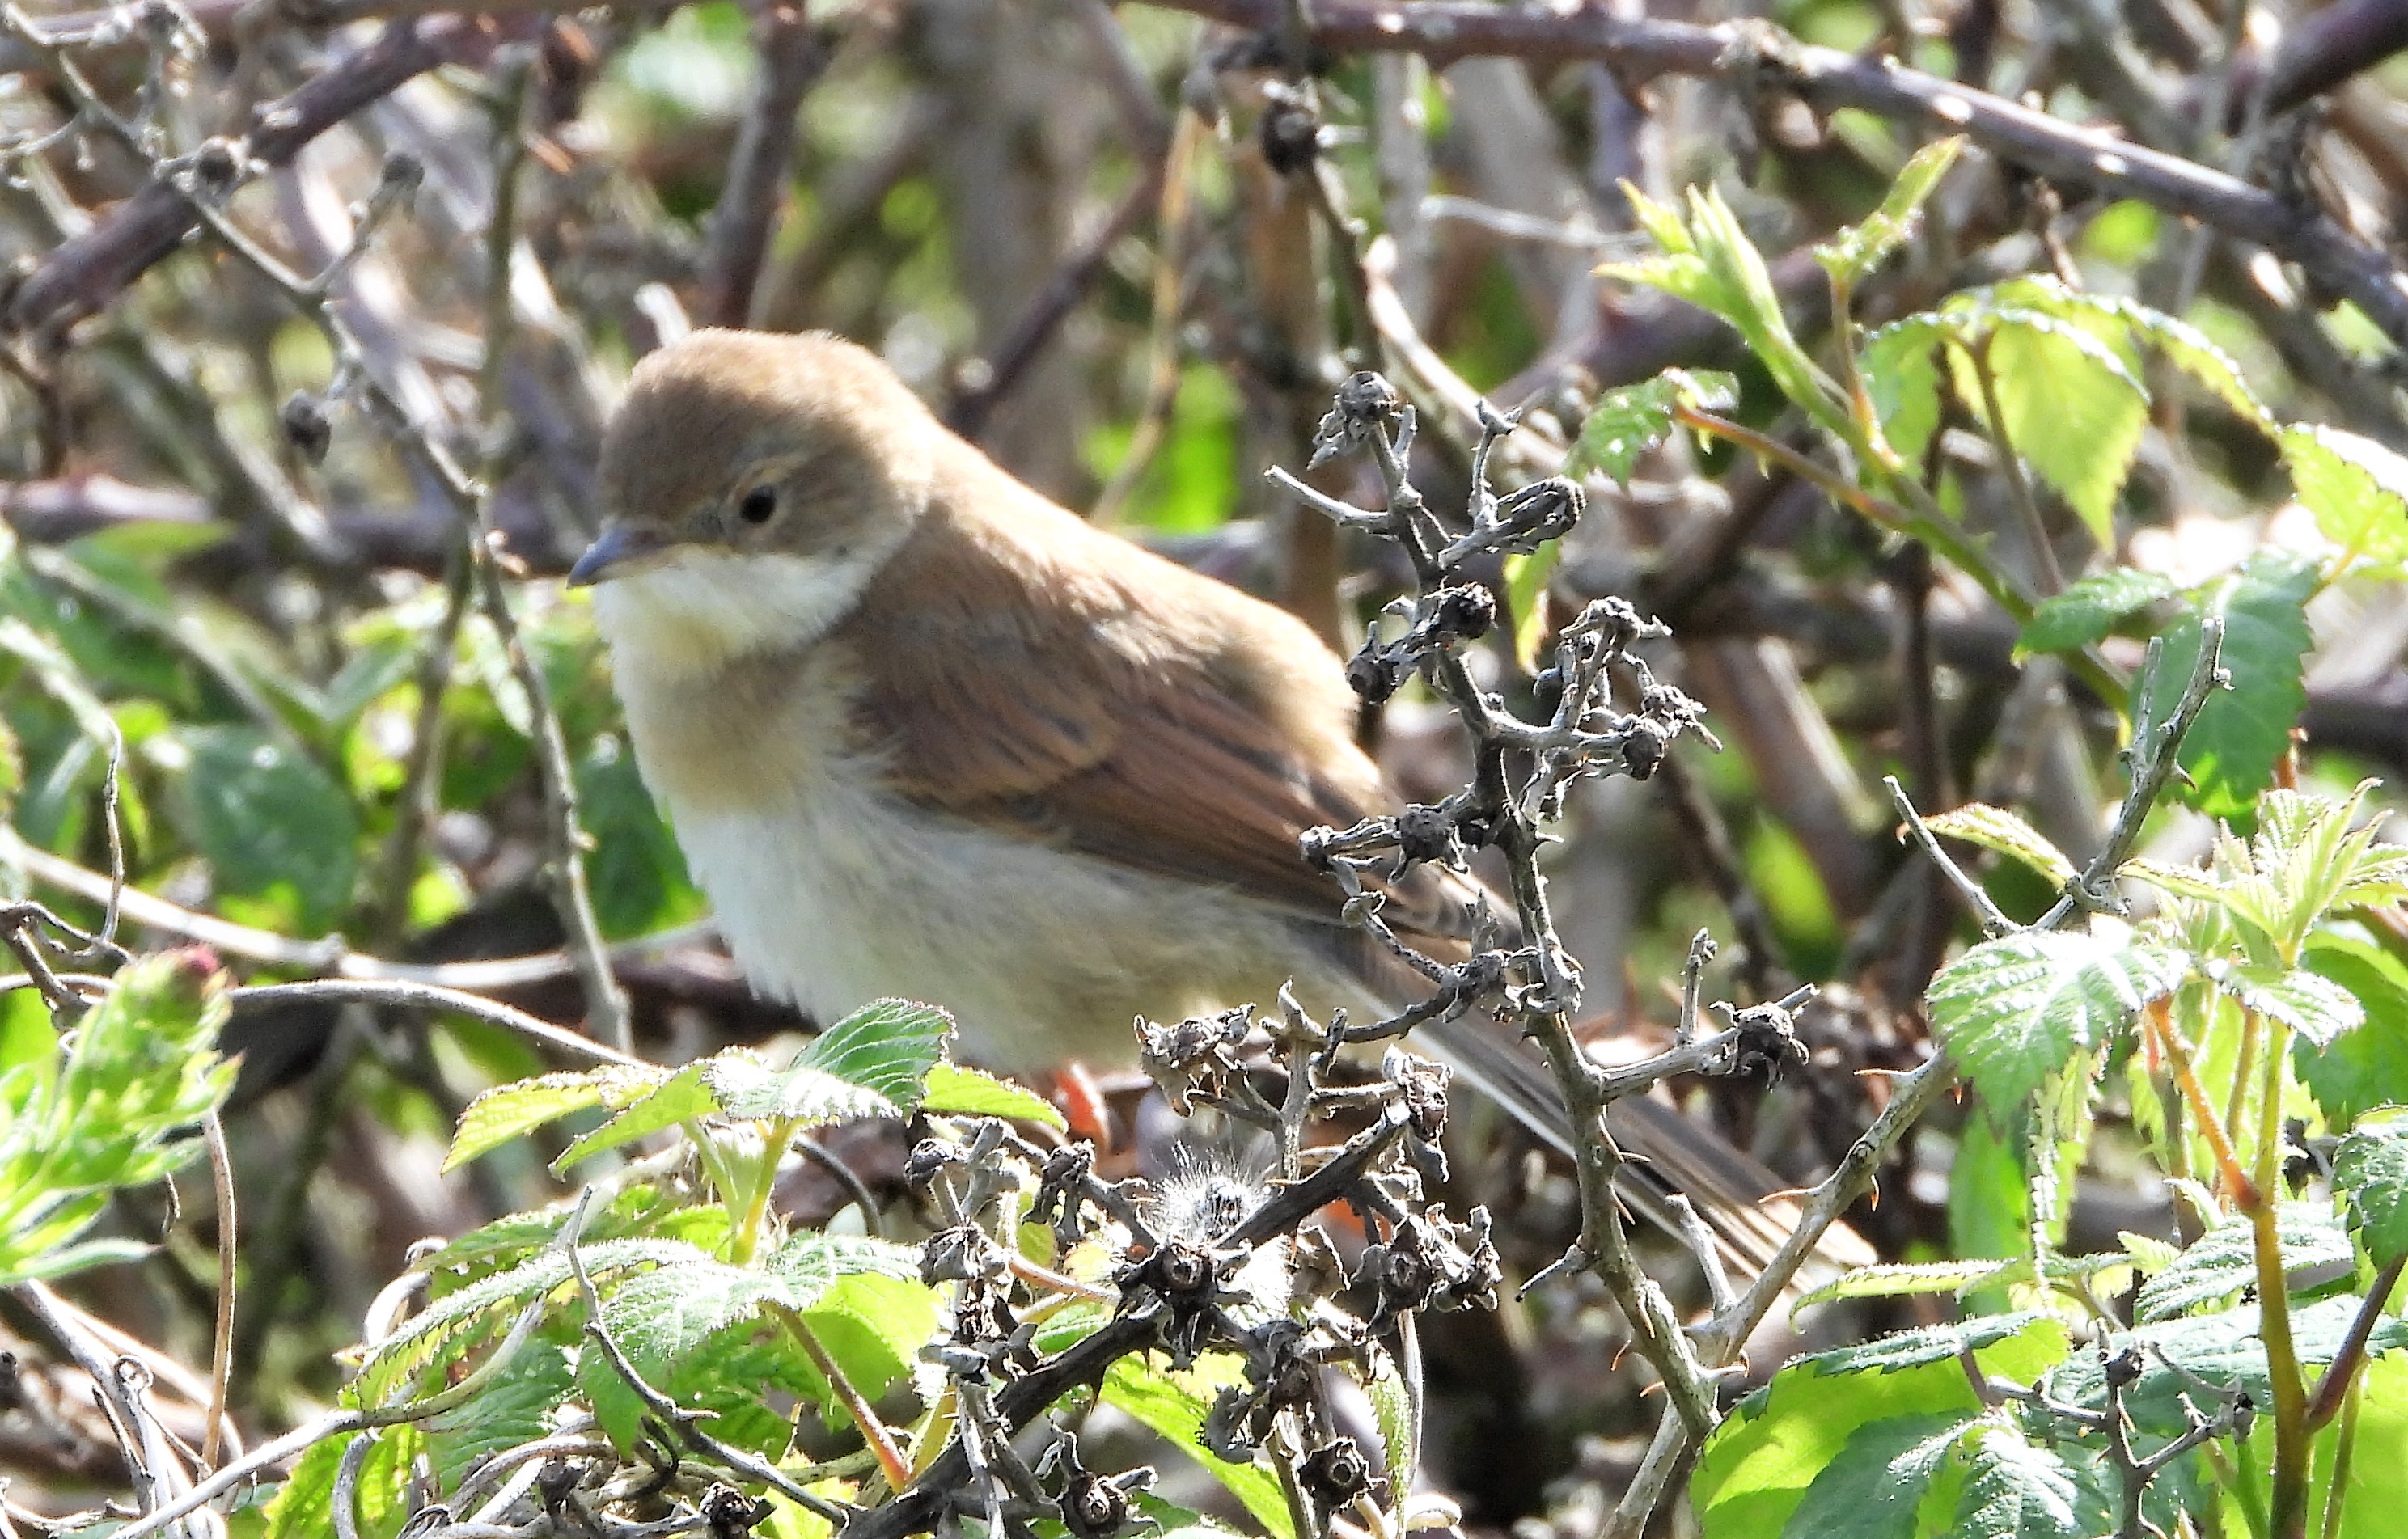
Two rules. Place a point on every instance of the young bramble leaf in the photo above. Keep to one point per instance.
(505, 1112)
(664, 1104)
(1853, 254)
(2015, 1009)
(1756, 1469)
(888, 1045)
(1630, 421)
(2229, 752)
(2367, 1068)
(2318, 1008)
(2087, 610)
(117, 1109)
(2371, 1171)
(968, 1092)
(2015, 1488)
(1872, 1487)
(2069, 403)
(2357, 488)
(1899, 366)
(1998, 829)
(2224, 1260)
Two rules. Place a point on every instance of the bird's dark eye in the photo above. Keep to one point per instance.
(759, 505)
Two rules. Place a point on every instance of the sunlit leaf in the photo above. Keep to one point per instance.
(2015, 1009)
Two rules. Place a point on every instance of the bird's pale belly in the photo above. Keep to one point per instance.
(849, 896)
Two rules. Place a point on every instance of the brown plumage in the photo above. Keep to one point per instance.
(921, 732)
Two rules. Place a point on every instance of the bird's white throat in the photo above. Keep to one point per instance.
(696, 609)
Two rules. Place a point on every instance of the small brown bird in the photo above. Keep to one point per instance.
(920, 732)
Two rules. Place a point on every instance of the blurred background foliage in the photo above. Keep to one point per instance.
(1088, 236)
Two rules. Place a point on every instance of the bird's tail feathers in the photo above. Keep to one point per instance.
(1741, 1201)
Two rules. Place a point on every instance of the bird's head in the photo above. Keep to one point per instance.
(753, 484)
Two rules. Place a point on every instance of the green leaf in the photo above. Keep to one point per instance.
(2223, 1350)
(1899, 366)
(117, 1106)
(1872, 1487)
(1173, 1402)
(516, 1406)
(2318, 1008)
(303, 1507)
(267, 816)
(1710, 262)
(888, 1045)
(455, 1325)
(2370, 1172)
(2224, 1260)
(2088, 610)
(1757, 1465)
(1630, 421)
(1934, 1344)
(2069, 404)
(1853, 254)
(1905, 1279)
(966, 1093)
(2016, 1009)
(743, 1085)
(505, 1112)
(635, 871)
(1999, 830)
(2369, 1067)
(1528, 573)
(2017, 1489)
(2357, 488)
(2230, 750)
(659, 1100)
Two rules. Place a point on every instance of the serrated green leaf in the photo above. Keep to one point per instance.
(1999, 830)
(2370, 1172)
(888, 1045)
(2316, 1007)
(661, 1102)
(2014, 1010)
(1630, 419)
(2149, 1253)
(1757, 1466)
(2358, 488)
(117, 1106)
(505, 1112)
(2224, 1260)
(2183, 881)
(1173, 1402)
(2087, 610)
(2369, 1067)
(2224, 1349)
(2230, 750)
(1899, 366)
(2017, 1489)
(514, 1407)
(1904, 1279)
(742, 1084)
(2069, 404)
(266, 816)
(1853, 254)
(455, 1325)
(968, 1092)
(1873, 1485)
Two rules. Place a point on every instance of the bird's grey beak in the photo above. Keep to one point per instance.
(616, 546)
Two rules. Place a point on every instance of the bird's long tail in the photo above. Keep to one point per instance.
(1741, 1201)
